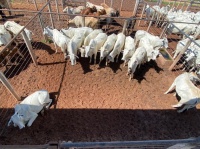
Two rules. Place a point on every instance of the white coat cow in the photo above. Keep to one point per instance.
(27, 111)
(129, 49)
(119, 44)
(138, 58)
(94, 45)
(107, 46)
(188, 92)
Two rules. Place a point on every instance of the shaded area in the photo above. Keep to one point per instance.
(106, 125)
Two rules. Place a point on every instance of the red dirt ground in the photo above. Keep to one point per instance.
(97, 104)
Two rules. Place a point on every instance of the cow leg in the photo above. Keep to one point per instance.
(95, 57)
(186, 107)
(55, 46)
(47, 106)
(117, 57)
(171, 87)
(33, 117)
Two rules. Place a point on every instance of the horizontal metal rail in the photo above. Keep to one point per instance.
(64, 144)
(127, 143)
(137, 18)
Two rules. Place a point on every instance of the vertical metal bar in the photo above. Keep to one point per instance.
(173, 4)
(41, 24)
(121, 5)
(52, 22)
(151, 21)
(183, 5)
(178, 4)
(29, 46)
(62, 5)
(6, 83)
(9, 6)
(159, 2)
(111, 3)
(189, 6)
(136, 7)
(124, 27)
(142, 14)
(57, 9)
(35, 5)
(183, 51)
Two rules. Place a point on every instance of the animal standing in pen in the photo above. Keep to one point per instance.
(188, 92)
(27, 111)
(95, 45)
(58, 39)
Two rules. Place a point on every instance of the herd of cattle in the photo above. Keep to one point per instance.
(136, 51)
(87, 42)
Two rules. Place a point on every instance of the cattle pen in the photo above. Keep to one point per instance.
(94, 106)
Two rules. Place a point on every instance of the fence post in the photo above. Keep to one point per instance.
(124, 27)
(183, 5)
(173, 4)
(151, 21)
(136, 7)
(9, 6)
(159, 2)
(142, 14)
(121, 5)
(35, 5)
(57, 9)
(178, 5)
(183, 51)
(49, 7)
(8, 86)
(188, 7)
(62, 5)
(29, 46)
(111, 3)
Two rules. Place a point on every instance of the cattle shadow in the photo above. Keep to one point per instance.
(92, 125)
(140, 72)
(42, 46)
(85, 65)
(115, 66)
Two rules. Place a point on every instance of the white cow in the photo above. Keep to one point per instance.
(27, 111)
(119, 44)
(58, 39)
(129, 49)
(74, 45)
(188, 92)
(15, 28)
(94, 45)
(107, 47)
(71, 10)
(138, 58)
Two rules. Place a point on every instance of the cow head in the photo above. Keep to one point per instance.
(21, 116)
